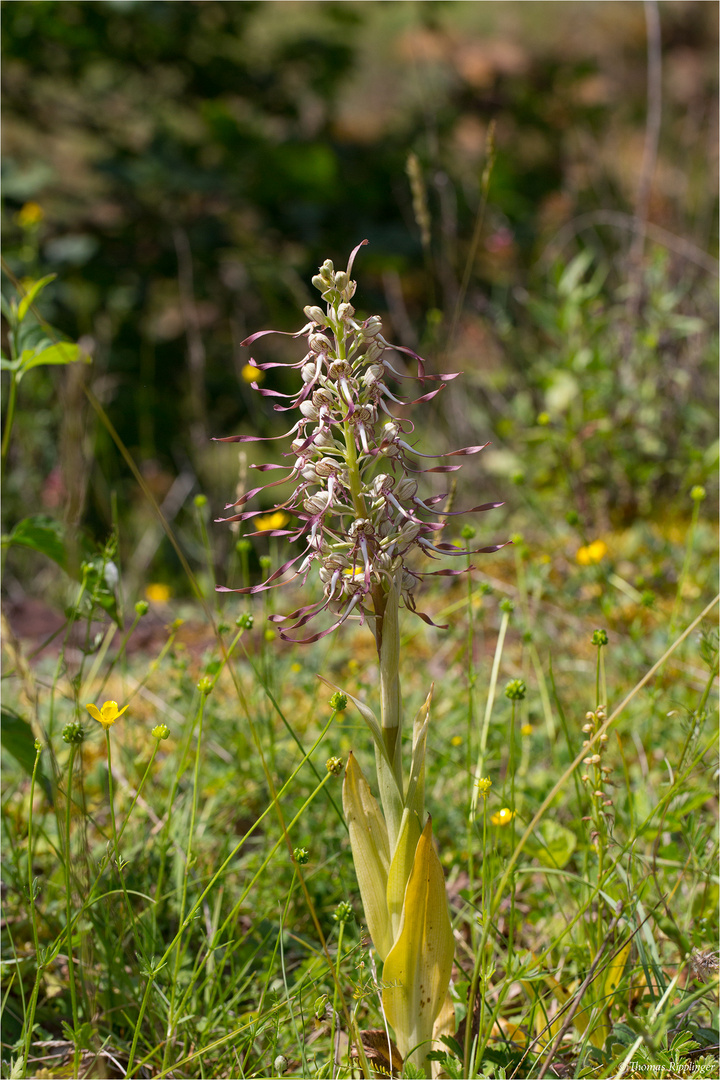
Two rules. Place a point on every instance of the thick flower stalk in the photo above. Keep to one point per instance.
(360, 517)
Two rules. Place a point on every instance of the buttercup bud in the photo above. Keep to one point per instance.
(73, 733)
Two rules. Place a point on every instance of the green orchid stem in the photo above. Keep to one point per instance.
(389, 770)
(353, 470)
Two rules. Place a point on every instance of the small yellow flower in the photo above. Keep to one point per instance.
(251, 374)
(526, 729)
(296, 668)
(107, 714)
(30, 214)
(483, 785)
(272, 521)
(456, 740)
(157, 593)
(503, 817)
(592, 553)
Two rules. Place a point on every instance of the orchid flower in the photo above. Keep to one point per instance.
(358, 513)
(355, 502)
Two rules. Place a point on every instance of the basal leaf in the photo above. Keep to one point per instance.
(417, 970)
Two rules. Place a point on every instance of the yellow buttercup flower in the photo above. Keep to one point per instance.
(251, 374)
(272, 521)
(483, 785)
(592, 553)
(526, 729)
(456, 740)
(30, 214)
(107, 714)
(503, 817)
(158, 593)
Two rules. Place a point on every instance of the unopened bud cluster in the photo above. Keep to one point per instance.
(355, 499)
(73, 733)
(600, 773)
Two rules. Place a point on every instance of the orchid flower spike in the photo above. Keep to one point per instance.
(355, 500)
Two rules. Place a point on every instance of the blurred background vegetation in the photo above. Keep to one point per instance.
(185, 167)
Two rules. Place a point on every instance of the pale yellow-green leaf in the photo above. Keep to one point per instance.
(371, 853)
(417, 970)
(415, 796)
(444, 1025)
(615, 971)
(400, 867)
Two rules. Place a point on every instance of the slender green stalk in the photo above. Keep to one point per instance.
(139, 790)
(200, 502)
(298, 1038)
(341, 931)
(156, 968)
(39, 968)
(186, 874)
(111, 794)
(504, 622)
(467, 533)
(9, 416)
(68, 915)
(119, 654)
(490, 909)
(697, 494)
(188, 918)
(544, 696)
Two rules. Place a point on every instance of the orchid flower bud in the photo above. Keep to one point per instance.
(372, 374)
(316, 314)
(371, 327)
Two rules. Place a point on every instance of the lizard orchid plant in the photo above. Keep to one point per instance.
(360, 517)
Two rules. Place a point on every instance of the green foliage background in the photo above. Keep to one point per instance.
(196, 161)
